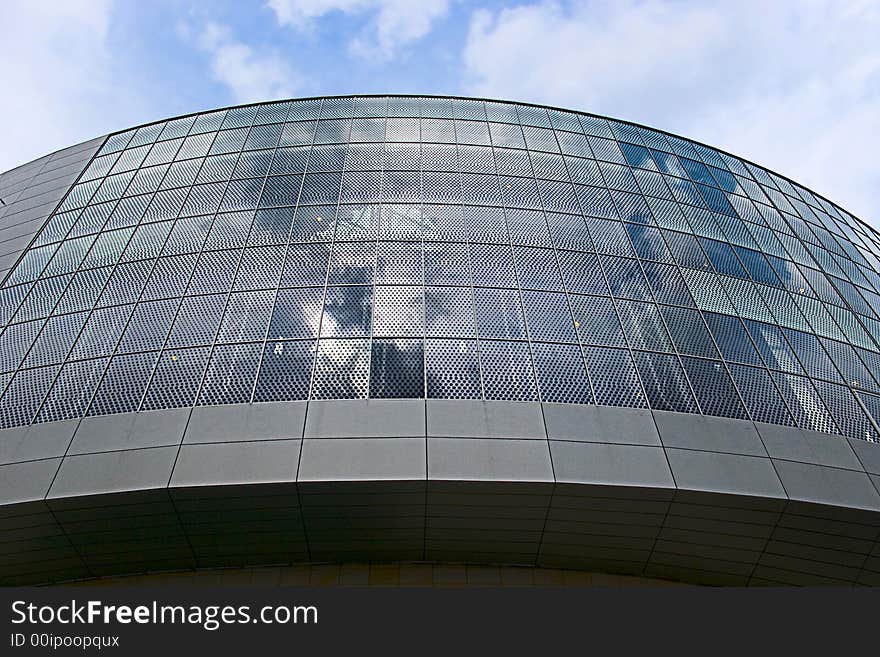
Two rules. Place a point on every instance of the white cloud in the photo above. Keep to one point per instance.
(392, 24)
(793, 86)
(248, 74)
(56, 72)
(300, 13)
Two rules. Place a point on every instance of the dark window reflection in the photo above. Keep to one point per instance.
(285, 371)
(452, 369)
(397, 369)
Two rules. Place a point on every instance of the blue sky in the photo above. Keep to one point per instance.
(791, 84)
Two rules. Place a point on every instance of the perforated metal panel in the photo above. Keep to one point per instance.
(407, 247)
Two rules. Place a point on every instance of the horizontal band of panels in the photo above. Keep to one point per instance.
(660, 494)
(543, 251)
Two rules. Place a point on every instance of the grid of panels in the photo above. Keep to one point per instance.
(409, 247)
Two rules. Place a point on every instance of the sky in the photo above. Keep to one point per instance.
(793, 85)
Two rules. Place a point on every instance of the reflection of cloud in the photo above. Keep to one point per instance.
(342, 369)
(449, 311)
(271, 226)
(805, 402)
(398, 310)
(402, 221)
(353, 263)
(357, 221)
(296, 313)
(347, 311)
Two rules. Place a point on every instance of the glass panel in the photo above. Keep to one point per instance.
(760, 395)
(507, 371)
(124, 383)
(347, 312)
(230, 375)
(342, 369)
(614, 377)
(665, 384)
(688, 332)
(148, 326)
(714, 388)
(285, 371)
(24, 395)
(397, 369)
(246, 316)
(176, 379)
(449, 312)
(804, 402)
(544, 254)
(452, 369)
(296, 314)
(561, 374)
(548, 316)
(72, 391)
(499, 314)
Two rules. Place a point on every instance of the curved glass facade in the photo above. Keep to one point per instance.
(405, 247)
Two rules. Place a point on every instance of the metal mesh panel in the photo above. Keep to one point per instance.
(507, 371)
(561, 374)
(230, 375)
(123, 385)
(72, 391)
(342, 369)
(397, 368)
(452, 369)
(285, 371)
(481, 250)
(759, 393)
(665, 384)
(176, 379)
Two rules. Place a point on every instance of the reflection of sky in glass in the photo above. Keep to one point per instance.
(491, 261)
(347, 312)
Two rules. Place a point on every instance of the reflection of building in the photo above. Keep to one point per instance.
(433, 329)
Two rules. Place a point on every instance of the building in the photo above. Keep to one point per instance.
(425, 329)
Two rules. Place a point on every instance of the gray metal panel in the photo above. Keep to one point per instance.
(362, 459)
(448, 418)
(713, 434)
(808, 447)
(255, 462)
(123, 431)
(495, 459)
(712, 515)
(724, 473)
(868, 454)
(37, 441)
(612, 465)
(366, 418)
(25, 482)
(232, 422)
(114, 472)
(600, 424)
(824, 485)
